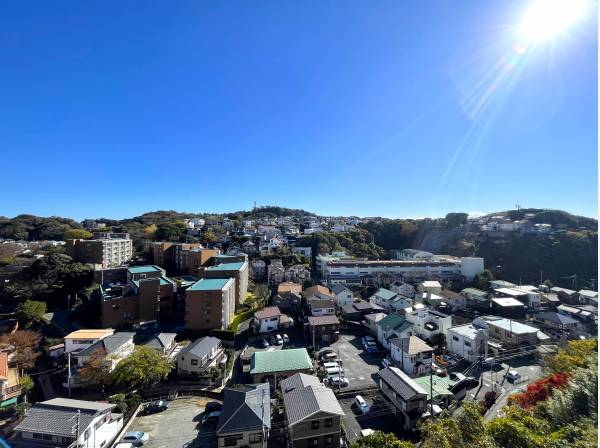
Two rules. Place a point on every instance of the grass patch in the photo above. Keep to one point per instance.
(241, 317)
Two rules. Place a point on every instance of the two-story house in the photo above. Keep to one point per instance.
(200, 356)
(412, 354)
(408, 400)
(468, 342)
(323, 329)
(312, 412)
(65, 423)
(245, 419)
(320, 307)
(269, 319)
(391, 327)
(163, 343)
(112, 348)
(342, 296)
(427, 323)
(81, 339)
(10, 385)
(318, 291)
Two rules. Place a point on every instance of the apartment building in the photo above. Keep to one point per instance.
(237, 270)
(355, 271)
(185, 258)
(109, 250)
(210, 304)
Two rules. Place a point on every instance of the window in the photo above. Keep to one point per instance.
(232, 440)
(328, 440)
(313, 442)
(314, 424)
(467, 343)
(86, 435)
(194, 362)
(328, 422)
(454, 338)
(255, 438)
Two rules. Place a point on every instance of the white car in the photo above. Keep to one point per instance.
(361, 404)
(286, 338)
(338, 381)
(279, 339)
(136, 438)
(385, 362)
(334, 371)
(330, 365)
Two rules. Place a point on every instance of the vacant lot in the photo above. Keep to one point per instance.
(178, 426)
(379, 418)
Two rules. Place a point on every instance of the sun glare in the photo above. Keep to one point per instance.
(547, 19)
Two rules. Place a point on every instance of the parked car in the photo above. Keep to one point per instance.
(212, 406)
(325, 352)
(136, 438)
(334, 371)
(211, 417)
(371, 347)
(156, 406)
(336, 381)
(272, 340)
(366, 339)
(264, 343)
(286, 338)
(278, 339)
(386, 362)
(361, 404)
(330, 365)
(513, 376)
(329, 357)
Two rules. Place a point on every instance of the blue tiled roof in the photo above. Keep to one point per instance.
(226, 267)
(143, 269)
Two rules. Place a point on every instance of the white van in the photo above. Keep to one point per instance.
(513, 376)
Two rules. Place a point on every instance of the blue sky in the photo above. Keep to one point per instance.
(397, 109)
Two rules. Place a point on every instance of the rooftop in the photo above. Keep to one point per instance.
(227, 266)
(209, 284)
(245, 408)
(401, 383)
(506, 301)
(304, 402)
(385, 294)
(144, 269)
(90, 333)
(509, 325)
(468, 330)
(201, 347)
(268, 312)
(412, 345)
(323, 320)
(280, 361)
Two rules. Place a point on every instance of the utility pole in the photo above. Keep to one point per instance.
(262, 420)
(431, 387)
(69, 372)
(402, 357)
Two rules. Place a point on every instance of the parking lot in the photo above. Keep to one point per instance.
(379, 417)
(178, 426)
(360, 367)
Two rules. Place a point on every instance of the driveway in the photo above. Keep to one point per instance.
(360, 367)
(178, 426)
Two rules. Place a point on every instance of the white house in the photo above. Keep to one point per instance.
(113, 348)
(270, 319)
(342, 296)
(412, 354)
(82, 339)
(431, 286)
(427, 323)
(51, 423)
(404, 289)
(383, 297)
(467, 341)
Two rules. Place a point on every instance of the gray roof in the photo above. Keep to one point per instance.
(338, 288)
(244, 407)
(56, 416)
(110, 343)
(401, 383)
(201, 347)
(556, 318)
(321, 304)
(298, 380)
(303, 402)
(160, 341)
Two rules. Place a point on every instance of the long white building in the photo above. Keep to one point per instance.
(339, 268)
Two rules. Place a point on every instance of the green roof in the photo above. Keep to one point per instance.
(164, 281)
(143, 269)
(390, 321)
(209, 284)
(226, 267)
(385, 294)
(441, 385)
(280, 361)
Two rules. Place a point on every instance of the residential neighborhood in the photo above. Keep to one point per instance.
(320, 359)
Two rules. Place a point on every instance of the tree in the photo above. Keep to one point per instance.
(381, 440)
(150, 231)
(456, 219)
(26, 383)
(442, 432)
(31, 310)
(77, 234)
(97, 369)
(576, 354)
(142, 368)
(25, 343)
(170, 231)
(209, 237)
(519, 429)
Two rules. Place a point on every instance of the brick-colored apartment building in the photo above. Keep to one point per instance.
(210, 304)
(183, 257)
(237, 270)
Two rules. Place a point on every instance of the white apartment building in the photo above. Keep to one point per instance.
(468, 342)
